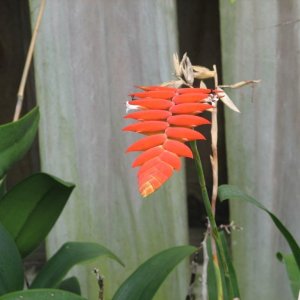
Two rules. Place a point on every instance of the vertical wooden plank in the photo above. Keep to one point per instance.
(89, 56)
(260, 39)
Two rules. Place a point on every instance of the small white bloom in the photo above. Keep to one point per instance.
(131, 107)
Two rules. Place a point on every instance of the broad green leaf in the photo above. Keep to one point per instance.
(16, 139)
(231, 192)
(231, 270)
(30, 209)
(65, 258)
(293, 272)
(42, 294)
(70, 284)
(148, 277)
(11, 268)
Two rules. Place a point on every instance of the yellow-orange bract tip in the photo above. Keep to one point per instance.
(147, 189)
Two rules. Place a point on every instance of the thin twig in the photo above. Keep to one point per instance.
(215, 170)
(20, 95)
(214, 148)
(240, 84)
(100, 280)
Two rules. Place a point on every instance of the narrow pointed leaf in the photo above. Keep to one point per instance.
(155, 114)
(190, 108)
(185, 134)
(178, 148)
(11, 268)
(231, 270)
(227, 101)
(69, 255)
(166, 93)
(147, 142)
(152, 103)
(31, 208)
(171, 159)
(145, 281)
(147, 155)
(187, 120)
(16, 138)
(190, 98)
(231, 192)
(70, 284)
(147, 126)
(292, 271)
(42, 294)
(212, 287)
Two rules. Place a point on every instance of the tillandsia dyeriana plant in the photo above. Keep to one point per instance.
(167, 114)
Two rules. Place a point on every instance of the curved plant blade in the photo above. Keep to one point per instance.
(292, 270)
(70, 284)
(65, 258)
(42, 294)
(227, 191)
(212, 286)
(30, 209)
(16, 139)
(148, 277)
(231, 270)
(11, 268)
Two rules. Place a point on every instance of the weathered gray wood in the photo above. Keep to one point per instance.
(260, 39)
(89, 56)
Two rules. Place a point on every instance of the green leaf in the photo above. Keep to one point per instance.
(42, 294)
(70, 284)
(16, 139)
(219, 275)
(212, 286)
(11, 268)
(293, 272)
(231, 192)
(31, 208)
(65, 258)
(231, 270)
(145, 281)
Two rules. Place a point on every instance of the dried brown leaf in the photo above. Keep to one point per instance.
(227, 101)
(202, 85)
(187, 70)
(176, 64)
(174, 83)
(201, 72)
(240, 84)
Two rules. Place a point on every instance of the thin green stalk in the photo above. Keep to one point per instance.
(205, 197)
(208, 208)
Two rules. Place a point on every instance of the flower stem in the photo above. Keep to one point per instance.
(204, 193)
(212, 222)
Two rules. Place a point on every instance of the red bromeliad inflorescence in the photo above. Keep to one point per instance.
(167, 116)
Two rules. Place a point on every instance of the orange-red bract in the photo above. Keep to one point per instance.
(168, 117)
